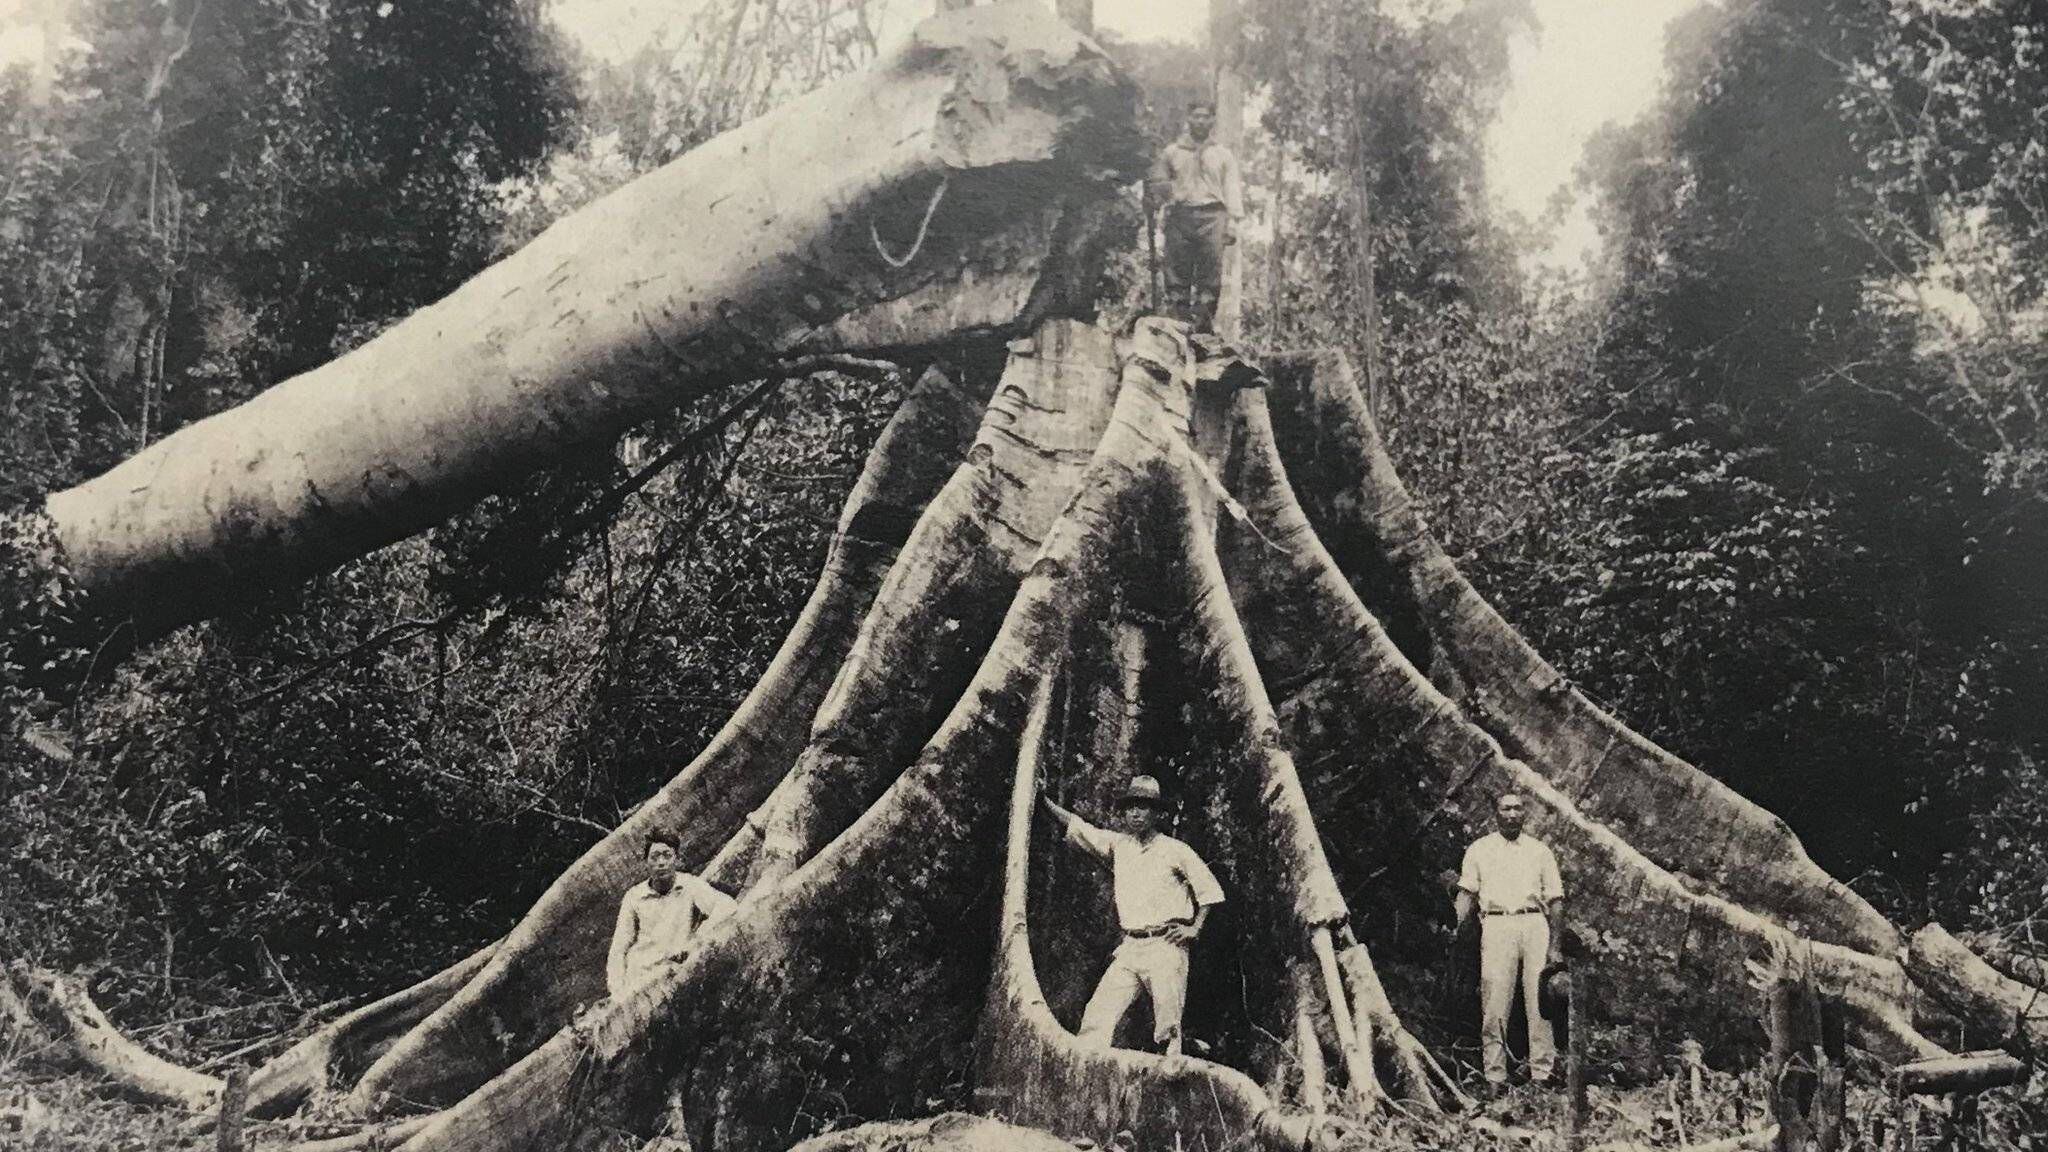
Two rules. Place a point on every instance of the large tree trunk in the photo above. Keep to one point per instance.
(1133, 552)
(1129, 562)
(948, 191)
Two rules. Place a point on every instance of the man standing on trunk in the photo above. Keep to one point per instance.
(1197, 181)
(659, 919)
(1512, 880)
(1163, 896)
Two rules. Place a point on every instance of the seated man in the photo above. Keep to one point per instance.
(1163, 896)
(658, 919)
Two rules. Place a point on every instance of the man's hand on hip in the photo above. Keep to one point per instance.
(1181, 933)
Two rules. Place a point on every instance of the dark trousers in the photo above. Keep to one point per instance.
(1194, 262)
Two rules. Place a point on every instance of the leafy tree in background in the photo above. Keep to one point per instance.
(1410, 93)
(233, 191)
(1766, 482)
(214, 196)
(1781, 480)
(428, 734)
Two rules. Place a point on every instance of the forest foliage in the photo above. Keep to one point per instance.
(1767, 481)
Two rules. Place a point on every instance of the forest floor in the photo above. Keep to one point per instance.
(42, 1111)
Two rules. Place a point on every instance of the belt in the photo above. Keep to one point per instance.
(1516, 912)
(1205, 206)
(1154, 932)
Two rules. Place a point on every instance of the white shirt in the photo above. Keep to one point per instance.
(1157, 882)
(655, 928)
(1518, 875)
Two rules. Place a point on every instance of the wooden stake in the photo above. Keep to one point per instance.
(234, 1100)
(1575, 1103)
(1804, 1076)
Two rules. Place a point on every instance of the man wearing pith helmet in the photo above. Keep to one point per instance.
(1511, 879)
(1163, 896)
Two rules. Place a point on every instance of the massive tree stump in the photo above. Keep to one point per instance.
(1111, 559)
(1128, 552)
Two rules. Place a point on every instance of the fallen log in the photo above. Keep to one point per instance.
(1968, 1072)
(1995, 1008)
(1746, 1142)
(949, 1132)
(2020, 961)
(370, 1138)
(951, 190)
(58, 1014)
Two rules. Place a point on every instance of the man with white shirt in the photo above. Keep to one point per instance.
(1197, 181)
(1511, 880)
(659, 918)
(1163, 896)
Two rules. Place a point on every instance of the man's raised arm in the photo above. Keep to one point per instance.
(1080, 833)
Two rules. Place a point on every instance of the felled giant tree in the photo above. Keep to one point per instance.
(1124, 551)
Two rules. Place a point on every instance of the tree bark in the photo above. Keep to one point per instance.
(1995, 1008)
(1365, 272)
(948, 191)
(1364, 515)
(554, 960)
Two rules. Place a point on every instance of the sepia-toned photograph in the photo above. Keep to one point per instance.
(1024, 576)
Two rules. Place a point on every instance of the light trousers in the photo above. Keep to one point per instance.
(1157, 965)
(1512, 952)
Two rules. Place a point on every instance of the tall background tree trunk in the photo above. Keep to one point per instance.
(1226, 45)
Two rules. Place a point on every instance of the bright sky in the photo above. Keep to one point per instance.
(1595, 61)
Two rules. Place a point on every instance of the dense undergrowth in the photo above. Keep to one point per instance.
(46, 1111)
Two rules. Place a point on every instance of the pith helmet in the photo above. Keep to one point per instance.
(1141, 790)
